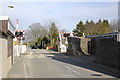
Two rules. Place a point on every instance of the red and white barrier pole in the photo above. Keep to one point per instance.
(17, 46)
(17, 25)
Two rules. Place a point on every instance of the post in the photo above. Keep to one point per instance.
(17, 24)
(42, 43)
(17, 46)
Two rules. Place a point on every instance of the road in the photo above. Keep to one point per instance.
(49, 64)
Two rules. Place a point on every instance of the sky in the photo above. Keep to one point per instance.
(65, 14)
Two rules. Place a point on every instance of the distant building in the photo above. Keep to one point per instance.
(7, 32)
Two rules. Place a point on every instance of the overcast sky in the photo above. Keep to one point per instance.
(65, 14)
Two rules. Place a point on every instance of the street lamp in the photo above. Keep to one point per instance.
(11, 6)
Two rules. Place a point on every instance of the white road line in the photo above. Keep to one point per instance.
(29, 66)
(72, 70)
(69, 68)
(24, 67)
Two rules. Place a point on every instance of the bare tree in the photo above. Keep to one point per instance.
(114, 25)
(36, 31)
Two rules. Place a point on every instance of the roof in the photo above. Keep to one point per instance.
(4, 18)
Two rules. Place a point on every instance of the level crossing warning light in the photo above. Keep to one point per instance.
(20, 34)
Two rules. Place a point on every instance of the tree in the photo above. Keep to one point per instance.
(92, 28)
(114, 25)
(89, 28)
(53, 34)
(35, 33)
(87, 22)
(98, 27)
(105, 28)
(79, 29)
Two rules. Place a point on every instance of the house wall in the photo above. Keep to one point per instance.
(6, 45)
(6, 61)
(4, 25)
(0, 56)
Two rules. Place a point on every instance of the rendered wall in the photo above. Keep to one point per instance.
(0, 56)
(6, 61)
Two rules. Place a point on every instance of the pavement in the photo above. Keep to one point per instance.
(51, 64)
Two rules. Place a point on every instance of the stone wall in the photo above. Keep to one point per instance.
(106, 50)
(108, 54)
(77, 45)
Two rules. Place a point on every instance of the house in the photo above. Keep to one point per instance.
(7, 33)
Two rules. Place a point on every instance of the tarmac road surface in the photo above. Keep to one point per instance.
(49, 64)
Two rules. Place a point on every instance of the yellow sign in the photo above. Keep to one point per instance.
(15, 42)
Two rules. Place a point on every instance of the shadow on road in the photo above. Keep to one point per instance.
(80, 63)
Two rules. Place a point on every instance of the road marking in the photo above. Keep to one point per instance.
(37, 52)
(31, 53)
(72, 70)
(40, 56)
(50, 55)
(69, 68)
(66, 56)
(24, 67)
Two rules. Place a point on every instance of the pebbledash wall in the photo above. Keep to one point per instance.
(6, 45)
(6, 60)
(105, 47)
(0, 56)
